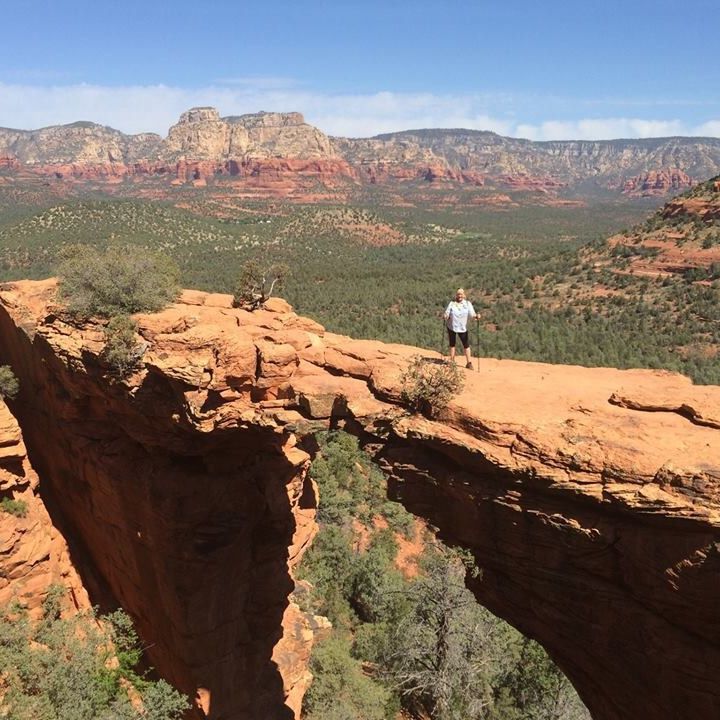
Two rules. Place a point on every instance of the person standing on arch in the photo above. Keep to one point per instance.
(457, 314)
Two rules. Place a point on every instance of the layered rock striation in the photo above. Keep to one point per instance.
(203, 147)
(590, 498)
(545, 164)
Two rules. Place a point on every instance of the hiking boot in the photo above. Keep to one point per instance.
(469, 366)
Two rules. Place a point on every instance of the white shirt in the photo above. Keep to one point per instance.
(457, 313)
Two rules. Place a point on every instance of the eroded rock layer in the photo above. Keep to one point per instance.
(589, 497)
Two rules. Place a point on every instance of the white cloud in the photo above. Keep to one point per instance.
(602, 129)
(710, 128)
(156, 107)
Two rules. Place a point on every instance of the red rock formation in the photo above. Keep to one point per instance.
(381, 172)
(496, 199)
(589, 497)
(9, 163)
(259, 177)
(33, 553)
(702, 208)
(192, 531)
(681, 237)
(295, 175)
(522, 181)
(657, 182)
(284, 169)
(444, 172)
(82, 171)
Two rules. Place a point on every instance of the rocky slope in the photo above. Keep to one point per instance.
(682, 238)
(270, 150)
(589, 497)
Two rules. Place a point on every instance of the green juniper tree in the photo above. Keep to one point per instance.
(77, 668)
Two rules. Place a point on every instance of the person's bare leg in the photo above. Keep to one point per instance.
(468, 363)
(452, 353)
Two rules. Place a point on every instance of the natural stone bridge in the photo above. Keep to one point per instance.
(589, 497)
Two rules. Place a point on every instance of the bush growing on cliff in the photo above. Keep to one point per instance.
(67, 669)
(119, 280)
(257, 283)
(122, 351)
(9, 385)
(18, 508)
(429, 385)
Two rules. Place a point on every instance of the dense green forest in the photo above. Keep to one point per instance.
(528, 271)
(82, 667)
(411, 638)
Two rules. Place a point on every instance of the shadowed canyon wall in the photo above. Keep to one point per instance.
(589, 497)
(33, 553)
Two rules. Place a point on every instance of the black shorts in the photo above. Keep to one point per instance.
(452, 335)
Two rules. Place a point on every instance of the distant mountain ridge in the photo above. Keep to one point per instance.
(567, 160)
(266, 148)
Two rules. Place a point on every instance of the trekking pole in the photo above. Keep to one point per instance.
(477, 342)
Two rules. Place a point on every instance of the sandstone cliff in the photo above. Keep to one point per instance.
(193, 532)
(201, 134)
(658, 182)
(33, 554)
(589, 497)
(605, 161)
(80, 142)
(202, 146)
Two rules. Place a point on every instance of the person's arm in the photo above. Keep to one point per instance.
(447, 311)
(473, 314)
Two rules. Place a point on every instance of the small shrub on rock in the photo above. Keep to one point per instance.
(122, 351)
(257, 283)
(428, 385)
(18, 508)
(119, 280)
(9, 385)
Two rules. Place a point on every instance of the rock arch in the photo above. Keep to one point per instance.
(588, 496)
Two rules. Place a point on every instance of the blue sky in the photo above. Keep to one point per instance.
(544, 70)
